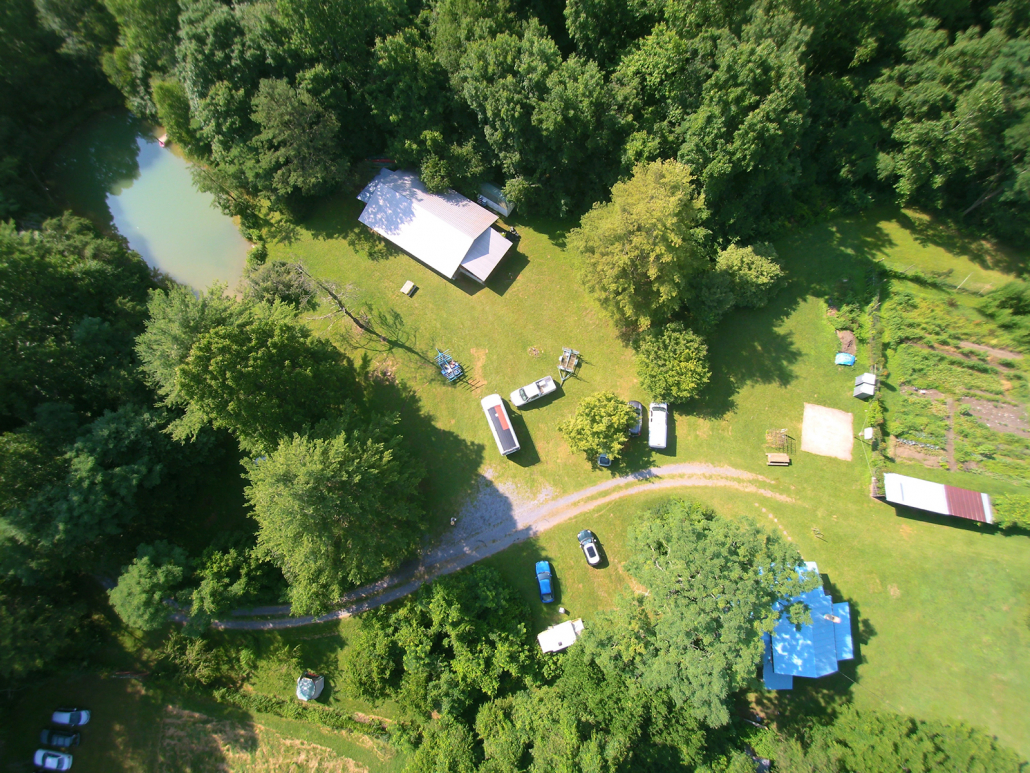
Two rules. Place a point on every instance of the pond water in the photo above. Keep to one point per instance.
(114, 172)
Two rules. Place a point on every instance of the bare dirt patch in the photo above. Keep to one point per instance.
(1001, 417)
(895, 591)
(534, 352)
(827, 432)
(478, 361)
(1001, 354)
(848, 344)
(907, 453)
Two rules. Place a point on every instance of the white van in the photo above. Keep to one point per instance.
(658, 425)
(500, 424)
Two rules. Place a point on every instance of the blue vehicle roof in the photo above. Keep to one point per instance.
(543, 566)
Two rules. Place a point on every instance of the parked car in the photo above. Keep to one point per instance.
(534, 391)
(588, 542)
(603, 460)
(543, 579)
(658, 425)
(634, 429)
(46, 759)
(61, 739)
(70, 717)
(500, 424)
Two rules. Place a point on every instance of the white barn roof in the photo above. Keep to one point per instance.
(446, 231)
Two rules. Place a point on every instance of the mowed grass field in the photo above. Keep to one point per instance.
(942, 610)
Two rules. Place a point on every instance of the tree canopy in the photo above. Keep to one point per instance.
(711, 581)
(336, 507)
(599, 426)
(643, 248)
(672, 363)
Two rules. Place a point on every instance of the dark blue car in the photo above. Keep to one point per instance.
(543, 578)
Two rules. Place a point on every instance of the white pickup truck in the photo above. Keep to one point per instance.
(534, 391)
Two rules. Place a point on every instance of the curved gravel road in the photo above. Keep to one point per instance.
(493, 520)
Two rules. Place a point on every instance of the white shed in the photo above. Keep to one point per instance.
(559, 637)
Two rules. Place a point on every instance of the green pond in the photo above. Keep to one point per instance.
(114, 172)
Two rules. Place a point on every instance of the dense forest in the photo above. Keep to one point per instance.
(125, 398)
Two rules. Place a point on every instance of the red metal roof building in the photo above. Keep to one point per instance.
(937, 498)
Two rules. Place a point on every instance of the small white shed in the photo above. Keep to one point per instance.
(865, 385)
(559, 637)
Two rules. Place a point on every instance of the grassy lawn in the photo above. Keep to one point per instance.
(942, 609)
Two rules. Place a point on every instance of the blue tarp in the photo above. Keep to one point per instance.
(844, 359)
(812, 650)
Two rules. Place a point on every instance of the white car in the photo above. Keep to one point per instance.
(45, 759)
(70, 717)
(658, 425)
(534, 391)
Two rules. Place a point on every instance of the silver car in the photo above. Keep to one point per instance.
(70, 717)
(45, 759)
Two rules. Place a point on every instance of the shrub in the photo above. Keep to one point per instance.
(1013, 511)
(672, 362)
(753, 271)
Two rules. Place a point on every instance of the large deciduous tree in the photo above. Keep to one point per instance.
(711, 585)
(263, 377)
(336, 508)
(958, 113)
(672, 362)
(743, 140)
(70, 303)
(298, 149)
(599, 425)
(642, 249)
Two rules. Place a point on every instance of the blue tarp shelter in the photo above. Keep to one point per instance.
(844, 359)
(814, 650)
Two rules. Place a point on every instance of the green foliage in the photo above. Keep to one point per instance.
(139, 597)
(926, 369)
(920, 419)
(278, 280)
(599, 426)
(178, 318)
(173, 112)
(548, 122)
(146, 47)
(881, 742)
(1009, 307)
(224, 577)
(85, 26)
(70, 302)
(957, 115)
(458, 641)
(33, 631)
(447, 747)
(742, 142)
(1012, 511)
(262, 376)
(696, 636)
(324, 716)
(672, 363)
(298, 151)
(753, 271)
(643, 249)
(336, 508)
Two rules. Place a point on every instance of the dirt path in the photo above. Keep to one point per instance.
(951, 434)
(486, 528)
